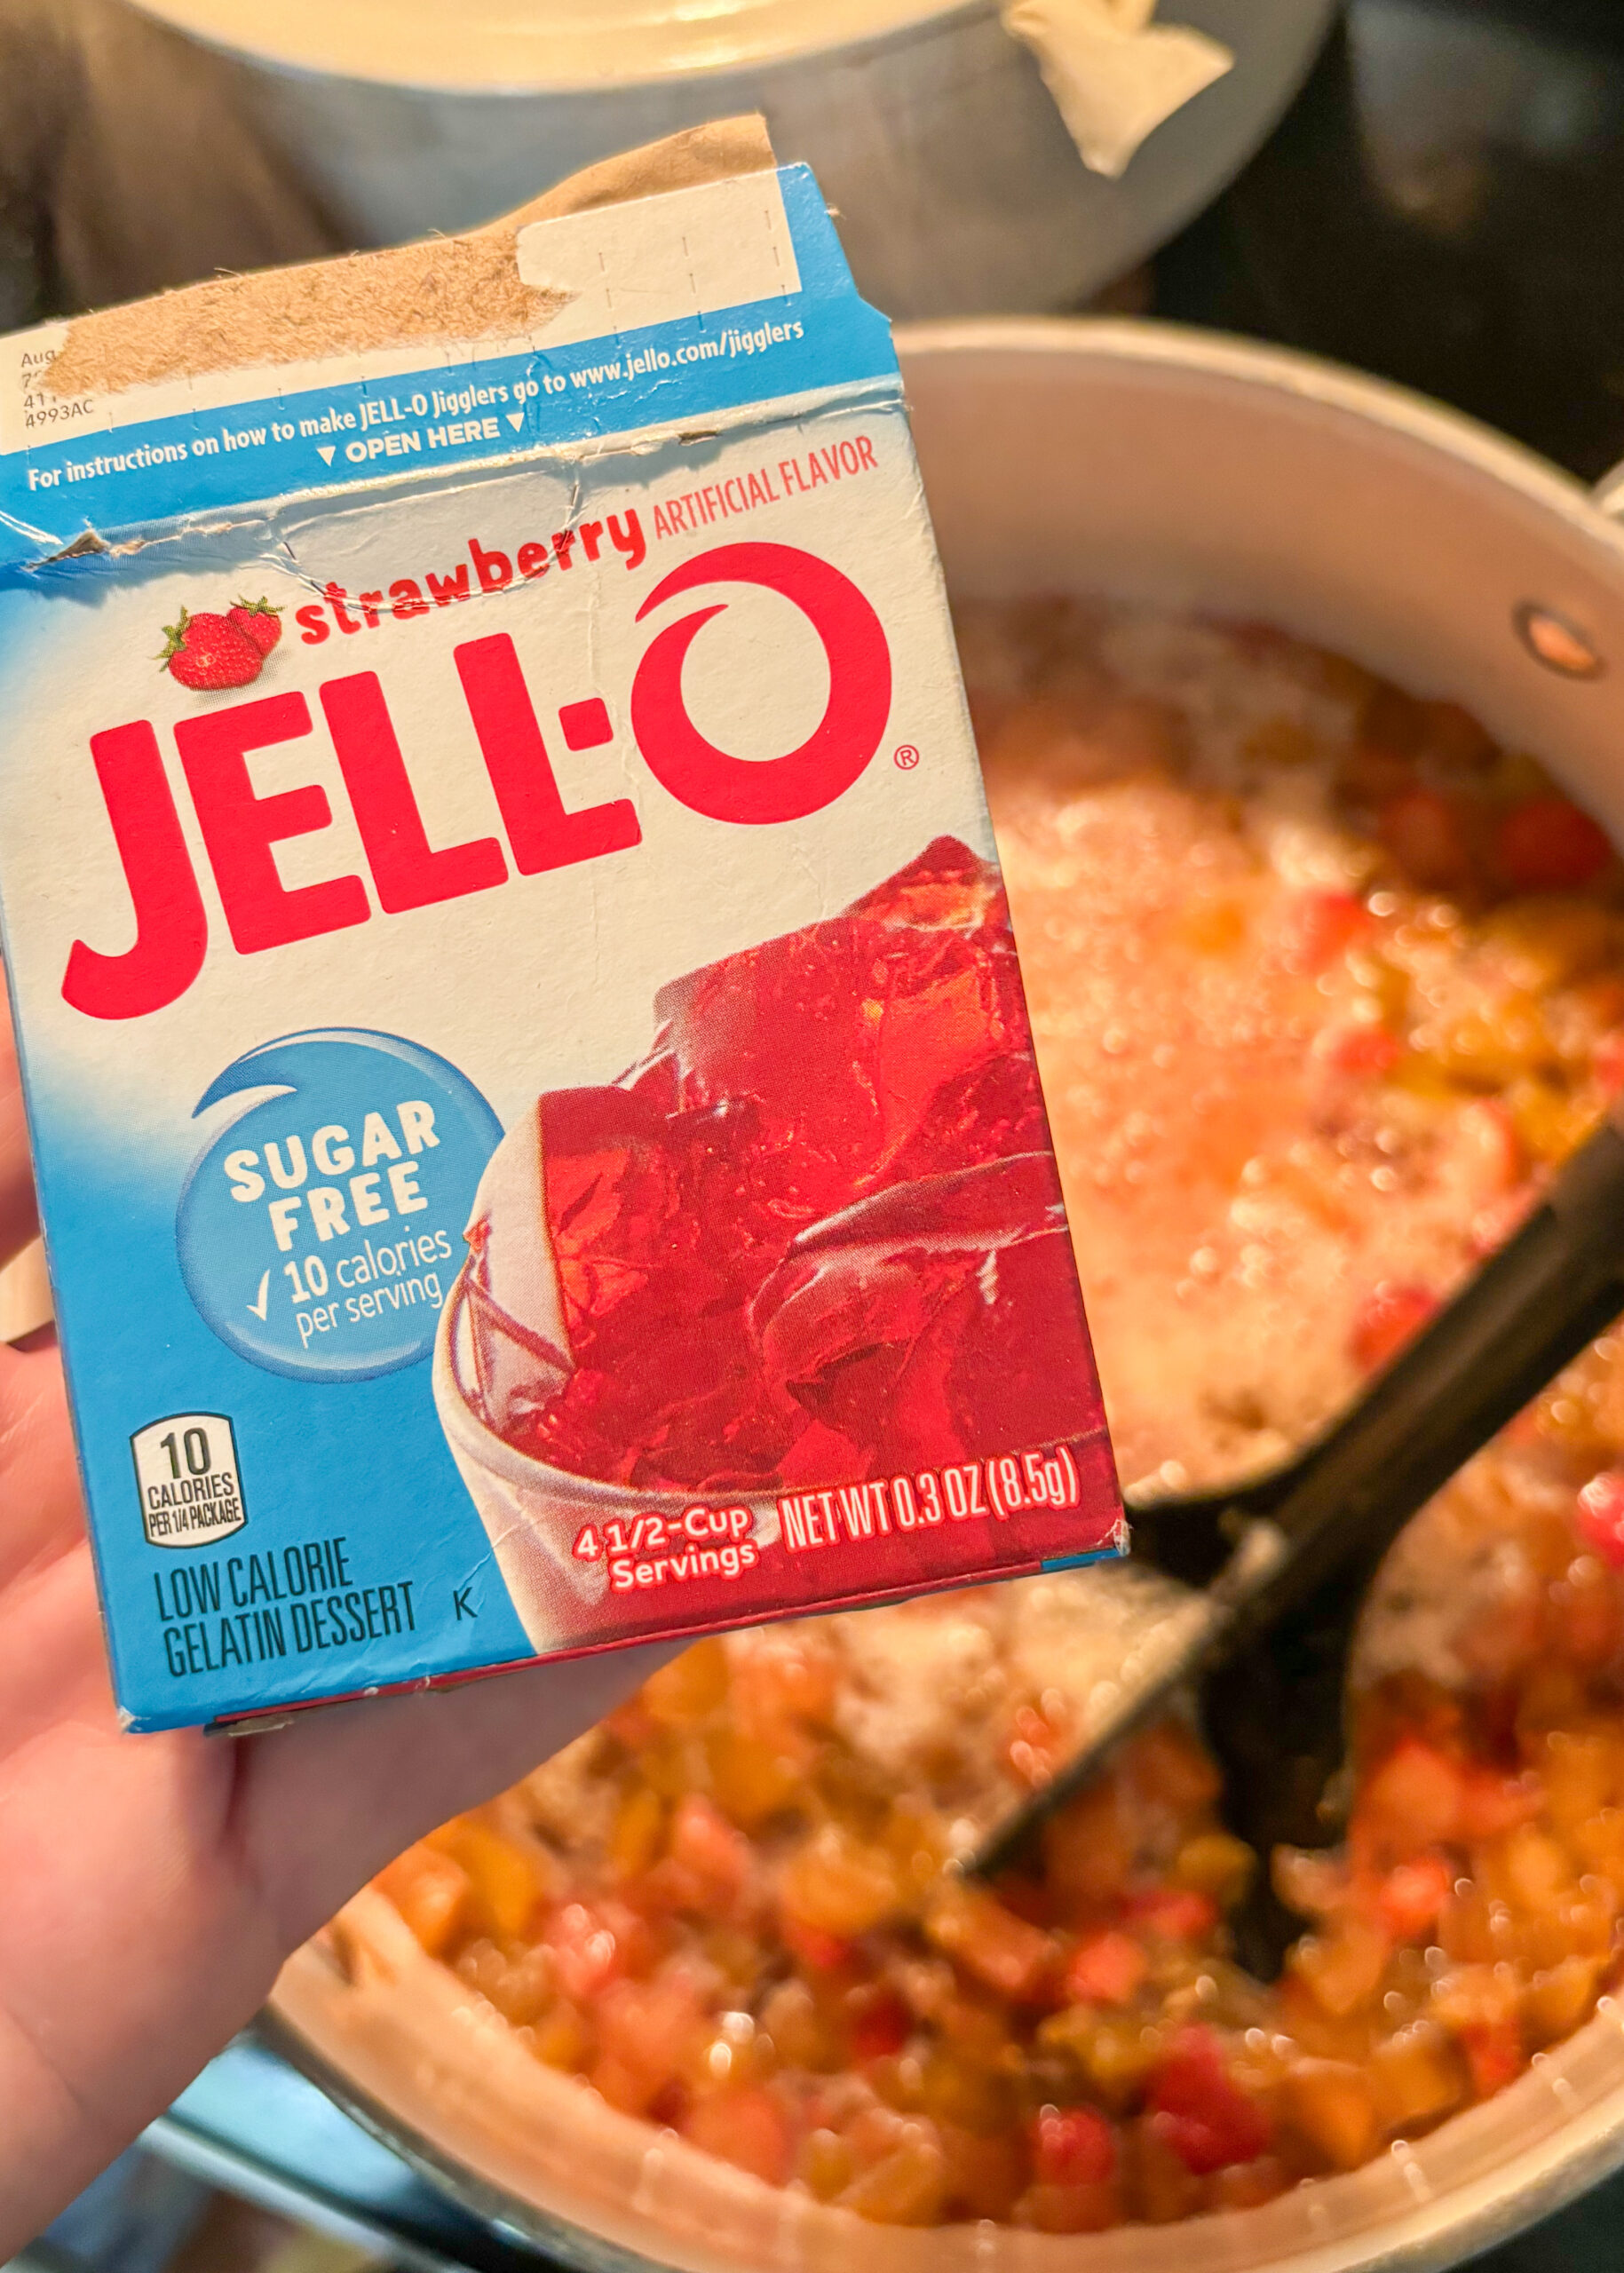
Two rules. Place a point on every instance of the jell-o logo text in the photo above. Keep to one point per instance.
(241, 828)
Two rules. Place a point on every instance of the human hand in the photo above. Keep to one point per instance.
(155, 1883)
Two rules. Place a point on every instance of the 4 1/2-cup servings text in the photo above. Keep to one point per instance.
(530, 1085)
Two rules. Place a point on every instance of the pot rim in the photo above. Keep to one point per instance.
(1436, 2228)
(1153, 342)
(297, 55)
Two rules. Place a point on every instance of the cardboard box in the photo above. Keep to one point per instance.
(535, 1117)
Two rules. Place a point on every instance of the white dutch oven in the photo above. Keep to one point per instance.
(1216, 475)
(929, 127)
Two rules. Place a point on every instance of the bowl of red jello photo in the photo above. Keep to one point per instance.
(1300, 703)
(815, 1233)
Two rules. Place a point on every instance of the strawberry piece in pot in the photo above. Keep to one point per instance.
(1198, 2112)
(1599, 1519)
(1548, 844)
(207, 652)
(1071, 2146)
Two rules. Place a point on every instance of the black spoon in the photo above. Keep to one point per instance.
(1282, 1564)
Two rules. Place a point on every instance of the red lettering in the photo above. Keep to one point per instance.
(408, 597)
(533, 560)
(446, 589)
(240, 828)
(313, 620)
(803, 781)
(407, 871)
(171, 928)
(494, 569)
(335, 598)
(542, 834)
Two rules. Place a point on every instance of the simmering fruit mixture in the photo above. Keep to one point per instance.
(1323, 983)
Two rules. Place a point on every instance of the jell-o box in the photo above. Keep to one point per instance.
(533, 1104)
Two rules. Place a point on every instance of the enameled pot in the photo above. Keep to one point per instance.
(1209, 473)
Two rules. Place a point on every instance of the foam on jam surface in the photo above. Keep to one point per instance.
(1284, 1068)
(817, 1236)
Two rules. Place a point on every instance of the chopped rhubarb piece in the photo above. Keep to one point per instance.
(879, 2024)
(593, 1945)
(1331, 2103)
(1389, 1316)
(1412, 1896)
(747, 2128)
(503, 1884)
(649, 2029)
(1071, 2146)
(1321, 925)
(989, 1941)
(1198, 2112)
(431, 1891)
(1426, 834)
(1411, 1801)
(1360, 1048)
(819, 1952)
(1180, 1914)
(1607, 1063)
(1493, 2052)
(1547, 844)
(1036, 1744)
(1599, 1519)
(1106, 1969)
(707, 1846)
(1491, 1803)
(1070, 2209)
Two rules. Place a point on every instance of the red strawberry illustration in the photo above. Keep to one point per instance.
(258, 621)
(207, 652)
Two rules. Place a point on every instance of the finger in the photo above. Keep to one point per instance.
(324, 1803)
(41, 1513)
(18, 1217)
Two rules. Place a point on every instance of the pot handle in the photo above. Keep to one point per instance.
(1114, 76)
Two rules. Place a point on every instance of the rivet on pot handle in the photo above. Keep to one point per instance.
(1557, 641)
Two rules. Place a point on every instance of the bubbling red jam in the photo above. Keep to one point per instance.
(817, 1235)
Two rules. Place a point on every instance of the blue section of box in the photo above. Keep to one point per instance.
(362, 1563)
(802, 342)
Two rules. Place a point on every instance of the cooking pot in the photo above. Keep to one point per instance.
(1207, 473)
(929, 127)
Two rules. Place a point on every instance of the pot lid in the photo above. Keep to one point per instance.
(517, 46)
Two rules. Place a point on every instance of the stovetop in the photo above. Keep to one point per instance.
(1444, 204)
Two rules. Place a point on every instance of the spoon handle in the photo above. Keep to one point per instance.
(1526, 1314)
(1529, 1311)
